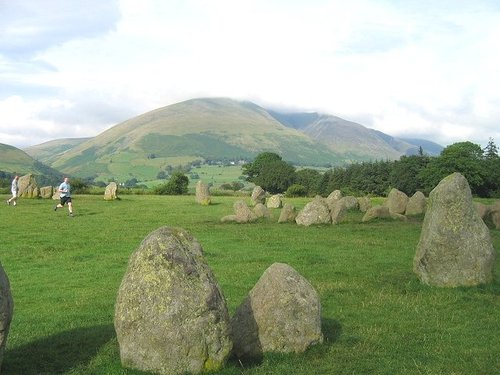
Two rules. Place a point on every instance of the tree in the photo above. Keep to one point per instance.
(276, 176)
(270, 172)
(463, 157)
(252, 170)
(177, 185)
(310, 180)
(405, 173)
(491, 150)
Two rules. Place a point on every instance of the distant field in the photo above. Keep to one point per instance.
(377, 318)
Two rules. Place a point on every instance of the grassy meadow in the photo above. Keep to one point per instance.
(377, 318)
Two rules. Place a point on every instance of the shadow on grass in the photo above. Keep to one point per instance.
(58, 353)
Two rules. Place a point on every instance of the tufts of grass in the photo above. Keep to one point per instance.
(377, 318)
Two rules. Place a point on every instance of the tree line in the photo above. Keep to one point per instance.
(409, 174)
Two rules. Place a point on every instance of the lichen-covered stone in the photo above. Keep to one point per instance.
(364, 204)
(111, 192)
(455, 247)
(417, 204)
(396, 201)
(28, 188)
(170, 315)
(282, 313)
(376, 212)
(46, 192)
(203, 194)
(258, 195)
(243, 213)
(261, 210)
(314, 213)
(6, 310)
(288, 214)
(275, 201)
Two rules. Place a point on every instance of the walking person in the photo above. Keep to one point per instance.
(14, 188)
(65, 191)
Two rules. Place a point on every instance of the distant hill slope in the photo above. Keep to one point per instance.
(352, 140)
(14, 160)
(194, 129)
(216, 129)
(50, 151)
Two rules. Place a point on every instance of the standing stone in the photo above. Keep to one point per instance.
(335, 195)
(170, 315)
(6, 310)
(275, 201)
(282, 313)
(364, 204)
(494, 213)
(417, 204)
(243, 213)
(455, 247)
(288, 214)
(261, 211)
(376, 212)
(111, 191)
(483, 210)
(56, 195)
(258, 195)
(339, 211)
(28, 188)
(46, 192)
(314, 212)
(202, 194)
(396, 201)
(350, 202)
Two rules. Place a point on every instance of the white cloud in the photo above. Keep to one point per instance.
(405, 68)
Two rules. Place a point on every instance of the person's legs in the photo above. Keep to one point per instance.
(70, 208)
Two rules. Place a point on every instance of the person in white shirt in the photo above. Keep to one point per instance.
(65, 191)
(15, 191)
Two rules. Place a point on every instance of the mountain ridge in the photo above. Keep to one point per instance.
(217, 128)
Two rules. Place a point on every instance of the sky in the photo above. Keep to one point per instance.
(415, 68)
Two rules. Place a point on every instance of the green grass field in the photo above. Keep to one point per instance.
(376, 316)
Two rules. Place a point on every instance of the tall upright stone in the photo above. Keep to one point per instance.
(6, 310)
(28, 187)
(203, 194)
(258, 195)
(170, 315)
(282, 313)
(455, 247)
(396, 201)
(417, 204)
(111, 192)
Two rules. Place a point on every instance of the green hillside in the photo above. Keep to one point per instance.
(198, 129)
(16, 161)
(50, 151)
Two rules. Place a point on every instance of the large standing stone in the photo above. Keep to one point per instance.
(275, 201)
(376, 212)
(350, 202)
(455, 247)
(282, 313)
(28, 188)
(288, 214)
(416, 205)
(46, 192)
(314, 212)
(339, 210)
(171, 316)
(6, 310)
(494, 213)
(261, 211)
(111, 191)
(258, 195)
(396, 201)
(364, 204)
(203, 194)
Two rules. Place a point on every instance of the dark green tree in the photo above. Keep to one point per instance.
(405, 173)
(463, 157)
(310, 179)
(252, 170)
(276, 176)
(177, 185)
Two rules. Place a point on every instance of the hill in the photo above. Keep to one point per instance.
(198, 129)
(209, 129)
(14, 160)
(50, 151)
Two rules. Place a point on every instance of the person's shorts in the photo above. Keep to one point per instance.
(14, 193)
(65, 200)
